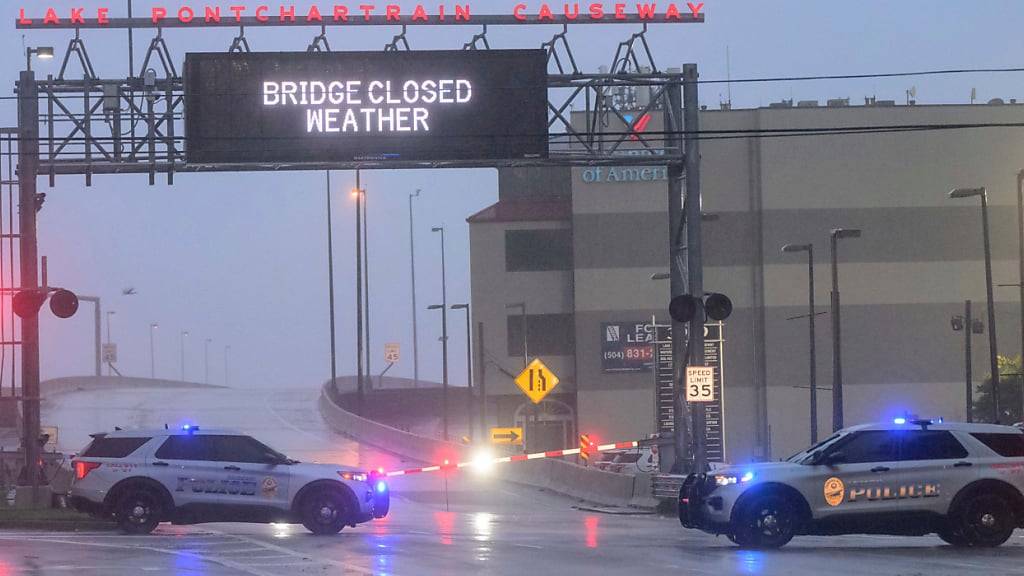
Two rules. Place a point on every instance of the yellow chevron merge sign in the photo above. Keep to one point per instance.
(536, 381)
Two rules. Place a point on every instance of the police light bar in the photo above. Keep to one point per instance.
(190, 428)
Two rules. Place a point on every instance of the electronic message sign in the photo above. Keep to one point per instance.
(323, 107)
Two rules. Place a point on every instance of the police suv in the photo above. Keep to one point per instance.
(141, 478)
(909, 477)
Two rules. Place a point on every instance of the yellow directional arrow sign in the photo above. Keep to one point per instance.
(506, 435)
(536, 381)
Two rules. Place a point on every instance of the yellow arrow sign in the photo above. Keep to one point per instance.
(506, 435)
(536, 381)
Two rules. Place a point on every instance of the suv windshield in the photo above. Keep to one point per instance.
(806, 456)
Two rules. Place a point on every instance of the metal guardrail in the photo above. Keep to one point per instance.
(667, 486)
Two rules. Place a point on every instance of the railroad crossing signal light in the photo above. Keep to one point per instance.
(684, 308)
(27, 303)
(63, 303)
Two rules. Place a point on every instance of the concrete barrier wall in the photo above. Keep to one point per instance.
(559, 476)
(75, 383)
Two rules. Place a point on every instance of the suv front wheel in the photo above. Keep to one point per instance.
(767, 521)
(325, 511)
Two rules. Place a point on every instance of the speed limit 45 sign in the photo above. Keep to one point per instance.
(700, 384)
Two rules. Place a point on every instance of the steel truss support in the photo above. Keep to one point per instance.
(240, 44)
(320, 43)
(478, 42)
(399, 42)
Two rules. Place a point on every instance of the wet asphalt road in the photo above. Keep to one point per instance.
(487, 526)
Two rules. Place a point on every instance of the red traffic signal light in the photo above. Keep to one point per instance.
(63, 303)
(26, 303)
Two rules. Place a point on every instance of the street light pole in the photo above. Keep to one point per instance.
(412, 270)
(811, 316)
(358, 192)
(330, 294)
(444, 333)
(152, 349)
(206, 361)
(993, 353)
(227, 379)
(1020, 255)
(837, 346)
(184, 334)
(109, 314)
(469, 370)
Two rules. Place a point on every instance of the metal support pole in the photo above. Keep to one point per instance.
(482, 382)
(1020, 270)
(694, 254)
(330, 292)
(97, 338)
(677, 246)
(28, 167)
(206, 361)
(968, 361)
(837, 362)
(366, 289)
(444, 341)
(152, 350)
(813, 348)
(359, 297)
(412, 271)
(469, 376)
(993, 352)
(227, 375)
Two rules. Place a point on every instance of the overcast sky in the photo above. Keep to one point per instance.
(240, 258)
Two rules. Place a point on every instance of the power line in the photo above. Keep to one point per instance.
(639, 81)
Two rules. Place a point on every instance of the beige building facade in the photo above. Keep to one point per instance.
(578, 247)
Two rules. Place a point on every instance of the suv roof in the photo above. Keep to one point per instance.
(937, 425)
(196, 430)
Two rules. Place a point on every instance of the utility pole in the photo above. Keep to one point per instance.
(677, 263)
(968, 360)
(694, 253)
(482, 382)
(412, 270)
(366, 287)
(28, 167)
(330, 294)
(359, 297)
(444, 336)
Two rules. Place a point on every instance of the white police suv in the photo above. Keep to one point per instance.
(143, 477)
(908, 477)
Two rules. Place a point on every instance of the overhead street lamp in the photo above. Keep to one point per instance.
(412, 270)
(42, 52)
(811, 316)
(152, 349)
(837, 347)
(184, 334)
(109, 314)
(444, 363)
(206, 360)
(993, 353)
(469, 370)
(227, 379)
(444, 331)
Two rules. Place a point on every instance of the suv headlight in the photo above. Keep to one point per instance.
(727, 479)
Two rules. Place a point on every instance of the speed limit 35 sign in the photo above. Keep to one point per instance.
(700, 384)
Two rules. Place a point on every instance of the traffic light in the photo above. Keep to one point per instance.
(684, 308)
(63, 303)
(26, 303)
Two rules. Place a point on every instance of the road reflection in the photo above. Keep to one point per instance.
(590, 527)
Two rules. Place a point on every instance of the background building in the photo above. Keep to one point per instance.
(579, 248)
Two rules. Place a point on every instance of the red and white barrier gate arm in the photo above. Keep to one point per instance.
(514, 458)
